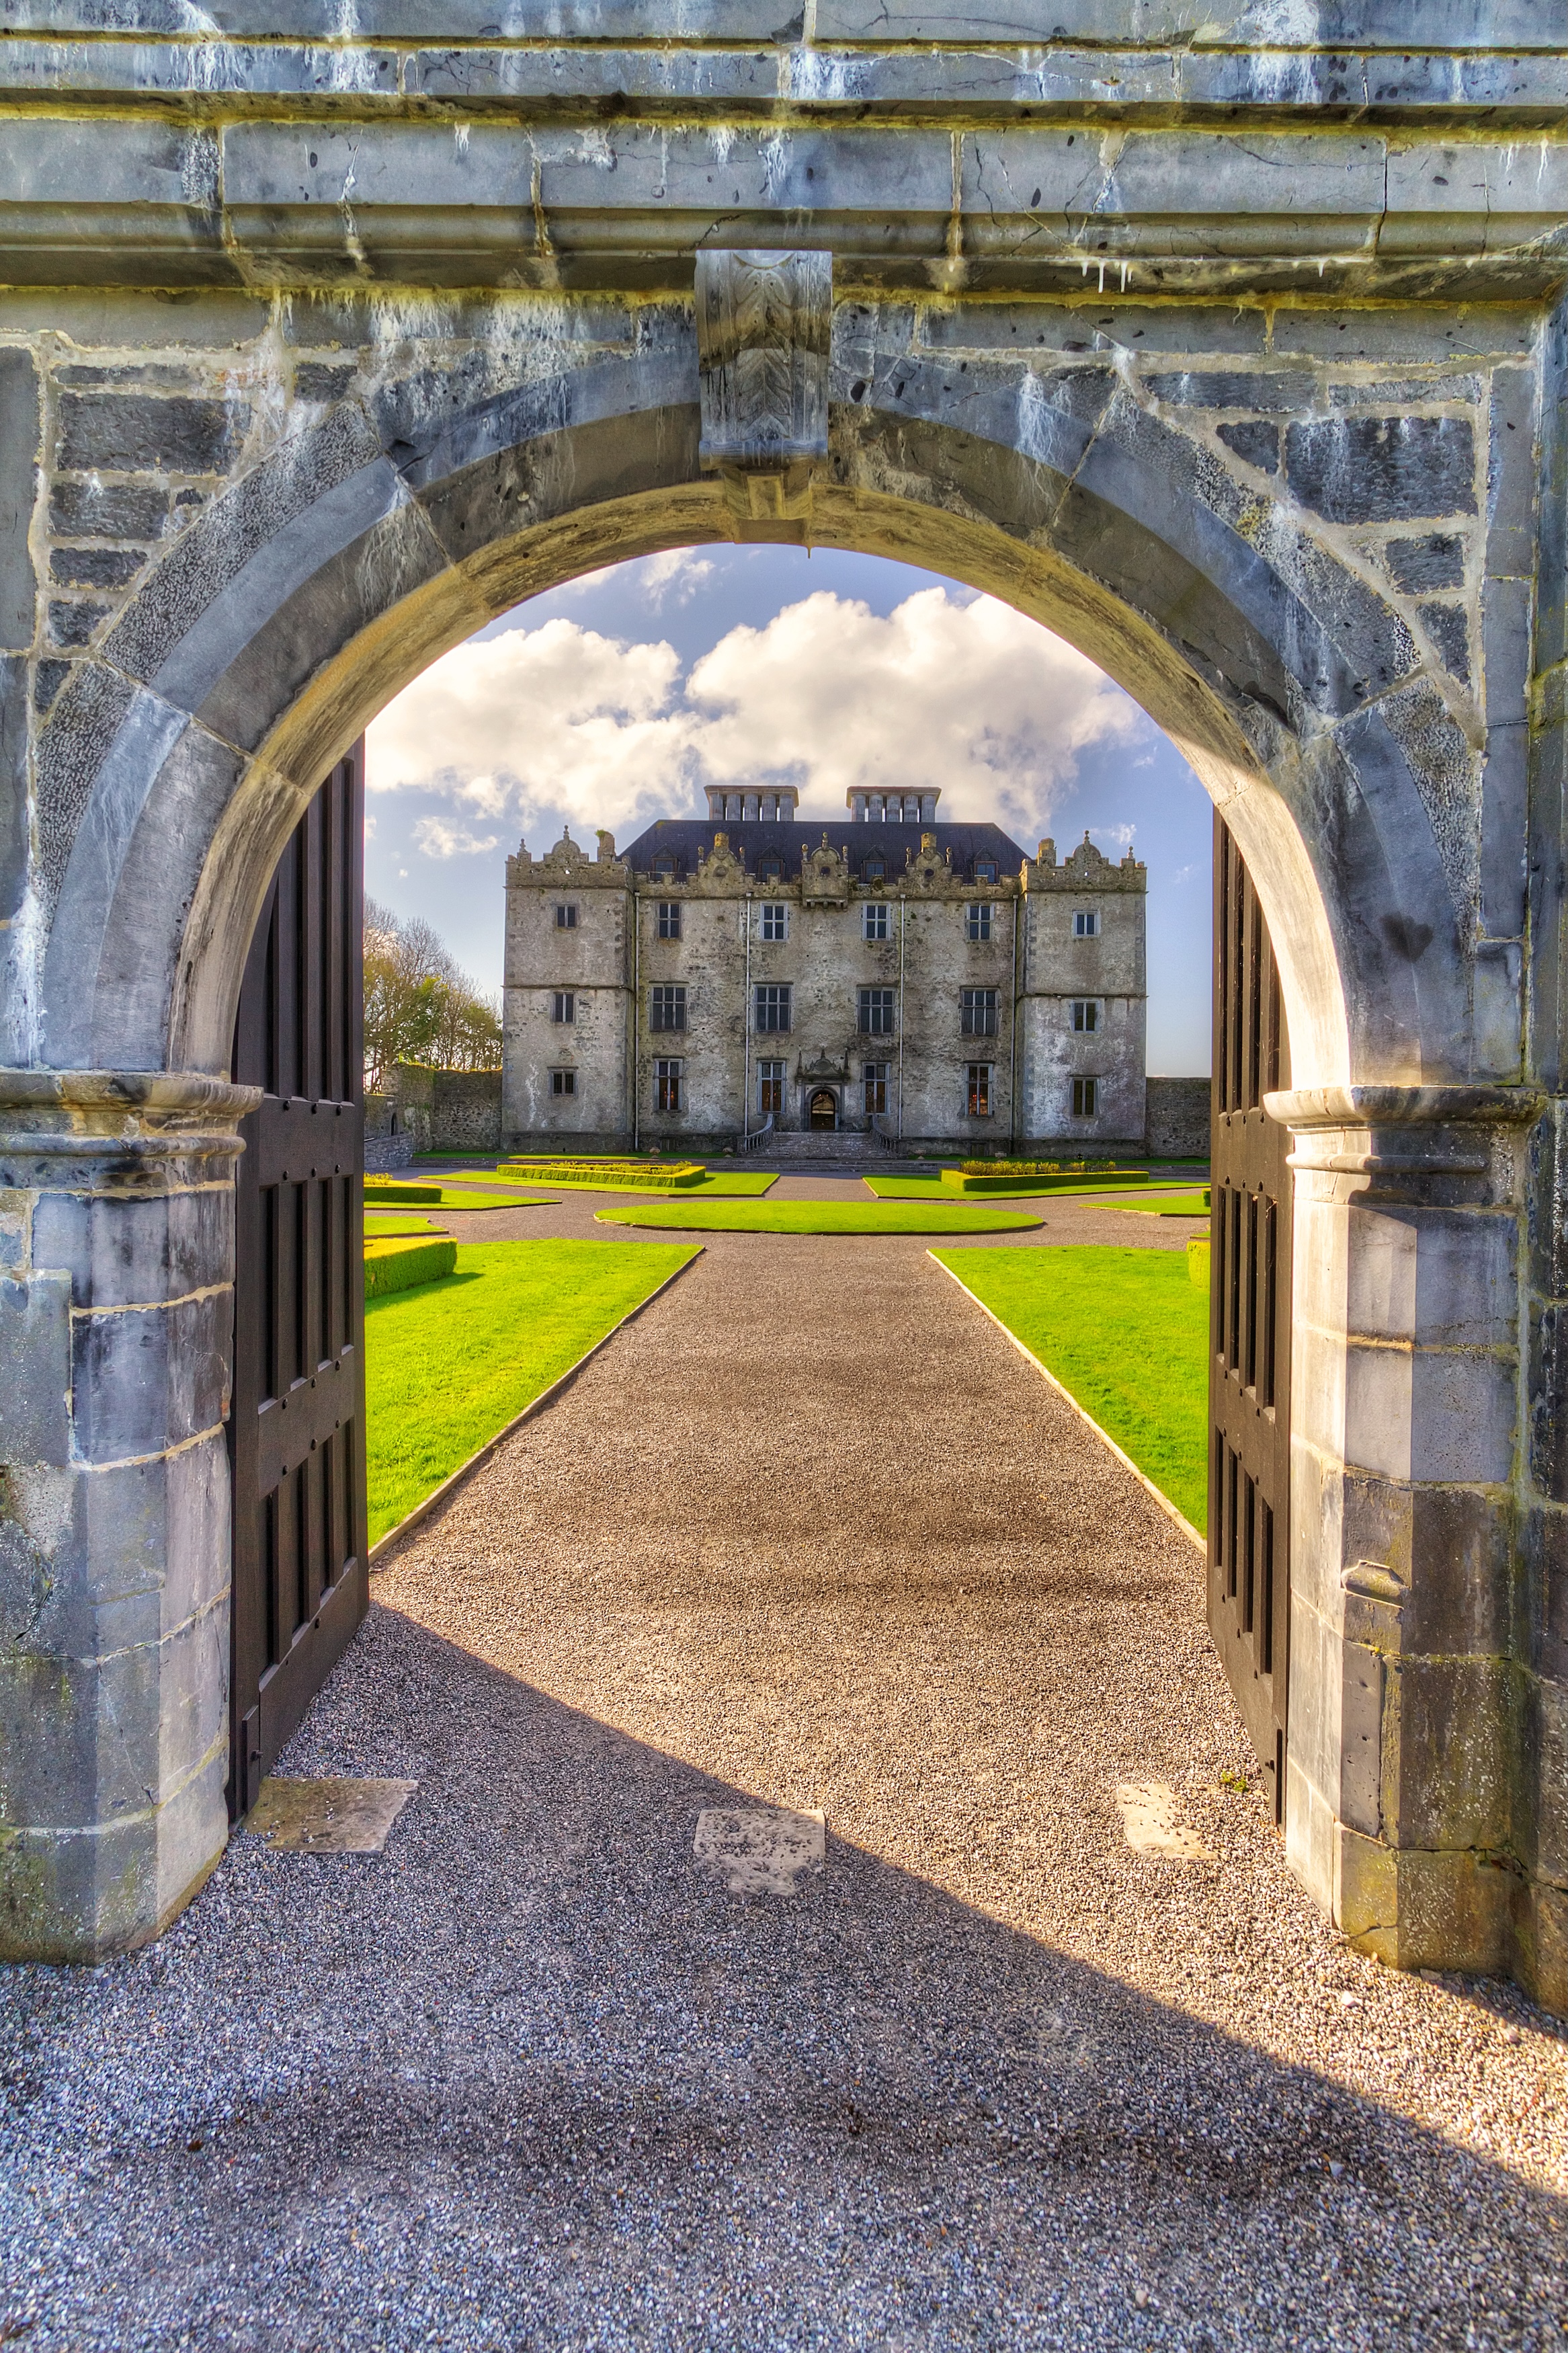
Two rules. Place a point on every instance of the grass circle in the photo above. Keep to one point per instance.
(821, 1218)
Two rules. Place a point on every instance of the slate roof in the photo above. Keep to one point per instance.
(685, 837)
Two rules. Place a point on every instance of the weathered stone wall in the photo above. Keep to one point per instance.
(1178, 1118)
(1233, 354)
(466, 1110)
(1108, 970)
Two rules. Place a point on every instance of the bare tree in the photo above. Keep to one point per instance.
(419, 1006)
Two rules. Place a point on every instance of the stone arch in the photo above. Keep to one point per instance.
(317, 585)
(383, 529)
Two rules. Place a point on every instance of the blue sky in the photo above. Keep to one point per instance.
(613, 700)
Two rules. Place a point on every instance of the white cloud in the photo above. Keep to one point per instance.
(437, 840)
(673, 577)
(964, 694)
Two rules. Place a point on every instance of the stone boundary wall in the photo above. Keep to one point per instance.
(1178, 1123)
(465, 1111)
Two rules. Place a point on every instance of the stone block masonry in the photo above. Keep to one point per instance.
(1235, 355)
(1178, 1118)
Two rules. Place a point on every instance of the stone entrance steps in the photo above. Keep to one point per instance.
(825, 1148)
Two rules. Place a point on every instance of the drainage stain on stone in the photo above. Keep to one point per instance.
(1153, 1825)
(760, 1851)
(328, 1816)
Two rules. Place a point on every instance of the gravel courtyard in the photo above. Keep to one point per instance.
(809, 1533)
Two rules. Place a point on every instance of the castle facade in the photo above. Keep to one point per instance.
(928, 984)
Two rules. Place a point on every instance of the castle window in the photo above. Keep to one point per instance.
(876, 1012)
(874, 921)
(567, 919)
(979, 1012)
(669, 1090)
(985, 869)
(770, 1087)
(773, 1008)
(669, 919)
(873, 870)
(979, 1089)
(564, 1006)
(664, 866)
(875, 1079)
(666, 1008)
(979, 925)
(776, 919)
(1084, 1097)
(772, 870)
(562, 1082)
(1086, 922)
(1085, 1013)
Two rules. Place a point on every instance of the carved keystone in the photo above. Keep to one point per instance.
(763, 321)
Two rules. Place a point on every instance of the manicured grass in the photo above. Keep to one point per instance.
(396, 1225)
(718, 1185)
(1166, 1204)
(1126, 1332)
(819, 1218)
(463, 1195)
(449, 1365)
(930, 1189)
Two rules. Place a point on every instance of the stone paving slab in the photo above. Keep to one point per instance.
(808, 1538)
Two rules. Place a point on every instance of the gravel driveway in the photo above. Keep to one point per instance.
(809, 1534)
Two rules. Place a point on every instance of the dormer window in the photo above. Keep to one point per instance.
(874, 871)
(772, 870)
(664, 867)
(985, 869)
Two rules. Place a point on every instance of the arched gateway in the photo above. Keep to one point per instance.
(1238, 367)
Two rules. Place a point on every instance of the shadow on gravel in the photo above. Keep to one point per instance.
(531, 2079)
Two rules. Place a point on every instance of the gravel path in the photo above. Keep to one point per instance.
(810, 1532)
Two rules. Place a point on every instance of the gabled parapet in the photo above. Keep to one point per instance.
(569, 863)
(1085, 868)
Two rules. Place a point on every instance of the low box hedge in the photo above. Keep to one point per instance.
(401, 1197)
(1000, 1179)
(400, 1265)
(645, 1175)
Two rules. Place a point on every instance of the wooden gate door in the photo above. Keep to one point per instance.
(297, 1423)
(1249, 1362)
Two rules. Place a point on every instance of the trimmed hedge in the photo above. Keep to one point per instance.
(401, 1197)
(648, 1176)
(1001, 1178)
(400, 1265)
(1035, 1167)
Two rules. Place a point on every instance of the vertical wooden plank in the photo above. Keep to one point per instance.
(297, 1418)
(1249, 1359)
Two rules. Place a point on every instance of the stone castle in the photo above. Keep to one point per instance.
(915, 982)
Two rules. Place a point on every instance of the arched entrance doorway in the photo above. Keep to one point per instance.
(175, 761)
(823, 1109)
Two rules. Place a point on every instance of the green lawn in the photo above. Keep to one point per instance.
(449, 1365)
(820, 1217)
(1166, 1204)
(464, 1196)
(718, 1185)
(930, 1189)
(1126, 1332)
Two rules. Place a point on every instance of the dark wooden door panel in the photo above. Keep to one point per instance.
(1249, 1361)
(297, 1424)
